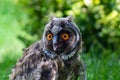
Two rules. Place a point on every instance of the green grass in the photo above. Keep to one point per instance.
(6, 66)
(103, 67)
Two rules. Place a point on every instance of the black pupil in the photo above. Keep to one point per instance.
(65, 36)
(50, 36)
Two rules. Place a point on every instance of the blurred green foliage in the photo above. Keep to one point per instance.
(98, 20)
(12, 19)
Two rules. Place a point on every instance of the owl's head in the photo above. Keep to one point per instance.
(61, 37)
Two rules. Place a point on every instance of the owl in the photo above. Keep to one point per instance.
(55, 56)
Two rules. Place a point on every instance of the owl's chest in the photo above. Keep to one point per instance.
(66, 70)
(56, 69)
(63, 72)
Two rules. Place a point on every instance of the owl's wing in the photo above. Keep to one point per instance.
(34, 65)
(80, 71)
(32, 55)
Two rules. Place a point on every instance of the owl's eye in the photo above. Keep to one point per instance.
(65, 36)
(49, 36)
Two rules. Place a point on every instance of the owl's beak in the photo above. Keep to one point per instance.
(55, 43)
(54, 48)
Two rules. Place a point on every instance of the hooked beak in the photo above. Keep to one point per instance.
(54, 48)
(55, 43)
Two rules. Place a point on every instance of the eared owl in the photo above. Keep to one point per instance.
(55, 56)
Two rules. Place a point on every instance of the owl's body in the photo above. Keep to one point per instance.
(55, 56)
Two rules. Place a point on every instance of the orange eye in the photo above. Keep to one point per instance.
(65, 36)
(49, 37)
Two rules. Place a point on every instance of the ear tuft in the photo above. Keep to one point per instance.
(69, 18)
(52, 17)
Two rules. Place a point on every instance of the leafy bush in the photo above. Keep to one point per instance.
(98, 20)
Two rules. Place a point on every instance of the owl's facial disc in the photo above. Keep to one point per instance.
(59, 41)
(61, 36)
